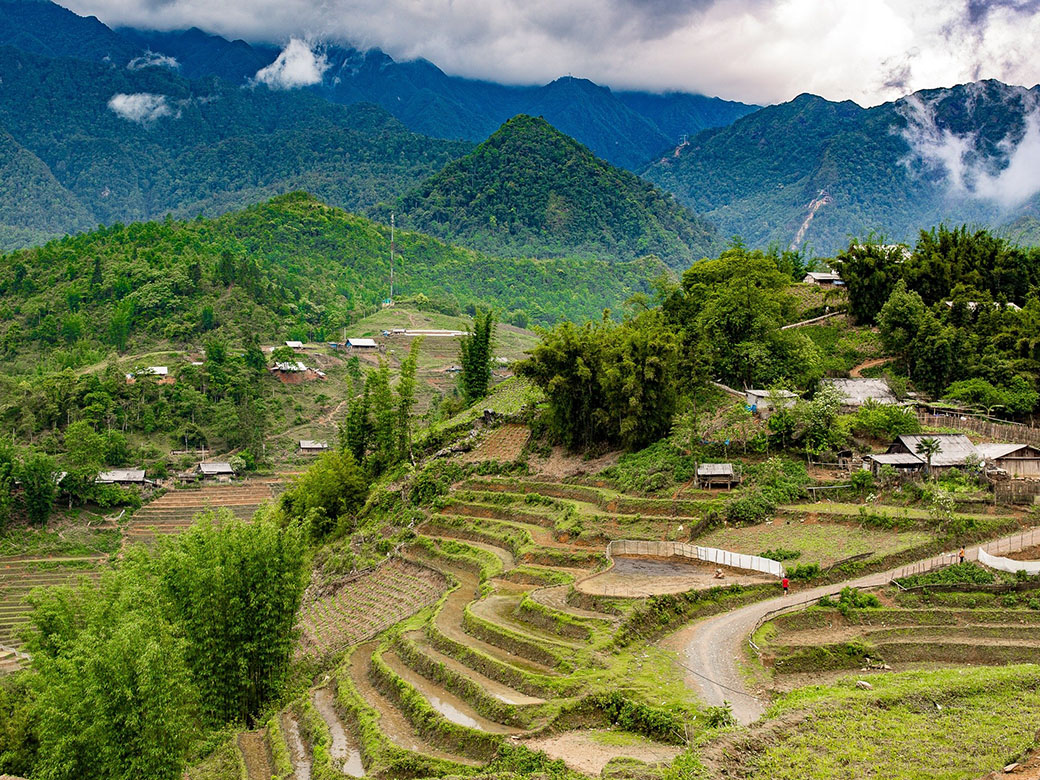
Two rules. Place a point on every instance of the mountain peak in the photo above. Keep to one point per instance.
(531, 190)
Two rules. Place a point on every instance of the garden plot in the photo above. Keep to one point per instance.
(641, 577)
(365, 606)
(503, 445)
(819, 542)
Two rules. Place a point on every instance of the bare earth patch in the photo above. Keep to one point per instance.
(503, 445)
(639, 577)
(561, 464)
(590, 751)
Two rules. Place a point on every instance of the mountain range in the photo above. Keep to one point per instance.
(101, 125)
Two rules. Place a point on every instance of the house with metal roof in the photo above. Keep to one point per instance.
(857, 391)
(294, 344)
(122, 477)
(362, 343)
(220, 471)
(823, 279)
(761, 401)
(1018, 460)
(311, 447)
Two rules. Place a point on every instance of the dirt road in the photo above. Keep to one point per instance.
(712, 650)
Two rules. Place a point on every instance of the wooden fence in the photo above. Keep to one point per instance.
(1018, 434)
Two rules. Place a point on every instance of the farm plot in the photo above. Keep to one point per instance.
(824, 543)
(176, 510)
(367, 605)
(502, 445)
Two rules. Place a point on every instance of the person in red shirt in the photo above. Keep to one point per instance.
(786, 584)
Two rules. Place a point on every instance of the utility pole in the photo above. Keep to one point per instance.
(391, 301)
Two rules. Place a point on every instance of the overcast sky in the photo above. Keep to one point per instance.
(762, 51)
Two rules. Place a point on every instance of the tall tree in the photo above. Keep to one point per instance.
(406, 400)
(475, 356)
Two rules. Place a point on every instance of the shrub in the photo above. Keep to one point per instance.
(958, 574)
(804, 571)
(862, 481)
(780, 554)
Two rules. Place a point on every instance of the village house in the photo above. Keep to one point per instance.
(294, 344)
(310, 447)
(823, 279)
(761, 401)
(122, 477)
(361, 344)
(1018, 460)
(858, 391)
(220, 471)
(161, 372)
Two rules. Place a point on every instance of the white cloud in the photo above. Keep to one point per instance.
(753, 50)
(153, 59)
(1008, 180)
(141, 107)
(298, 65)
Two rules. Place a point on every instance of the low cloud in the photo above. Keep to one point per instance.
(153, 59)
(141, 107)
(869, 51)
(299, 65)
(1007, 179)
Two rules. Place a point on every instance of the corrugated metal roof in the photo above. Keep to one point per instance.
(216, 468)
(955, 448)
(896, 459)
(294, 344)
(291, 367)
(990, 451)
(121, 475)
(715, 470)
(361, 342)
(857, 391)
(308, 444)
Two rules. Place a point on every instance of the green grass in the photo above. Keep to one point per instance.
(948, 725)
(823, 543)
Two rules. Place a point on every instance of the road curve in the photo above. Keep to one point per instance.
(711, 650)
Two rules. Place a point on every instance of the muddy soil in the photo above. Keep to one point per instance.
(561, 464)
(253, 746)
(582, 753)
(343, 751)
(640, 577)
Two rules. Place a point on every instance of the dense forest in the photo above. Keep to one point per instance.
(530, 190)
(292, 268)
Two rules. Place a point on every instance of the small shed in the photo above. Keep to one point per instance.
(122, 477)
(859, 390)
(717, 474)
(823, 279)
(311, 447)
(902, 462)
(761, 401)
(221, 471)
(294, 344)
(1018, 460)
(362, 343)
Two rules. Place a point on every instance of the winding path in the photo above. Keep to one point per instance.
(712, 650)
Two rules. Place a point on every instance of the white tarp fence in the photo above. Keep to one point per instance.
(1007, 564)
(623, 547)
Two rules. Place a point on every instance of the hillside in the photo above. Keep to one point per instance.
(289, 268)
(148, 142)
(531, 190)
(814, 172)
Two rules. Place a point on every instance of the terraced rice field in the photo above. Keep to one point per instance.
(177, 509)
(363, 607)
(20, 574)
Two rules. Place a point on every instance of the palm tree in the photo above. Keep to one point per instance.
(927, 448)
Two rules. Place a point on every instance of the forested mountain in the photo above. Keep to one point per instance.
(289, 268)
(626, 128)
(815, 173)
(531, 190)
(110, 144)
